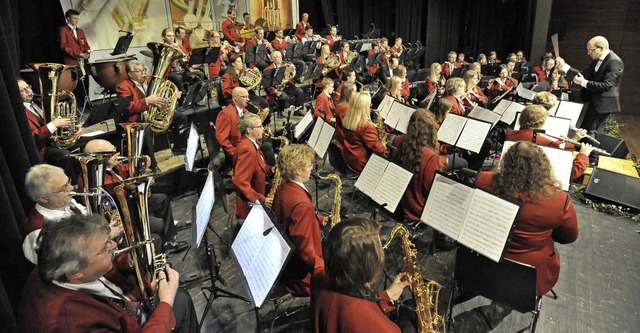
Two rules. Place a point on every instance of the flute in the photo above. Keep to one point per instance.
(579, 144)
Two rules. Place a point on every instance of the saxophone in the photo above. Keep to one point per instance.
(337, 198)
(382, 132)
(277, 176)
(425, 292)
(163, 55)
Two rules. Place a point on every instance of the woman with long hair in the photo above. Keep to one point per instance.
(556, 79)
(394, 88)
(435, 80)
(231, 80)
(474, 92)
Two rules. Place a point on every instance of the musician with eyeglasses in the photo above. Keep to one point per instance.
(450, 65)
(286, 93)
(231, 80)
(542, 70)
(332, 37)
(70, 292)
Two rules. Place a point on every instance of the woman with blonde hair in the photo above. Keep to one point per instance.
(435, 80)
(394, 88)
(474, 92)
(455, 89)
(401, 71)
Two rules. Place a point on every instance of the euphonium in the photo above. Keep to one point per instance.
(382, 132)
(425, 292)
(160, 117)
(135, 137)
(250, 78)
(57, 104)
(331, 62)
(277, 176)
(337, 198)
(132, 195)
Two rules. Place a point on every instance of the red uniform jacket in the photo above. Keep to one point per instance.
(50, 308)
(482, 98)
(447, 70)
(253, 41)
(330, 41)
(496, 90)
(540, 224)
(415, 196)
(271, 92)
(456, 106)
(358, 146)
(138, 104)
(431, 86)
(300, 29)
(542, 74)
(230, 34)
(334, 312)
(293, 208)
(249, 176)
(227, 132)
(406, 91)
(279, 45)
(40, 132)
(372, 69)
(325, 103)
(71, 46)
(214, 68)
(319, 60)
(228, 84)
(186, 47)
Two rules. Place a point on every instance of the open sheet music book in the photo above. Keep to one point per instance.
(561, 161)
(303, 124)
(508, 110)
(398, 116)
(385, 106)
(384, 182)
(321, 137)
(480, 221)
(260, 253)
(462, 132)
(524, 92)
(553, 125)
(487, 115)
(566, 109)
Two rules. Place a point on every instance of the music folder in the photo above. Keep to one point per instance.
(508, 110)
(561, 161)
(555, 126)
(204, 55)
(321, 137)
(303, 125)
(480, 221)
(383, 181)
(122, 45)
(524, 92)
(463, 132)
(398, 115)
(487, 115)
(260, 252)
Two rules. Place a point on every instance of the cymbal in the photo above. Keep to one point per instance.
(146, 53)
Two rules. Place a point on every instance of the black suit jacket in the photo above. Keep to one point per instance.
(383, 73)
(603, 88)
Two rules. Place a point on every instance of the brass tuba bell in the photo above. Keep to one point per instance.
(160, 117)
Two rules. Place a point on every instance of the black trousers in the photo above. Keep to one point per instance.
(185, 313)
(183, 79)
(161, 216)
(593, 120)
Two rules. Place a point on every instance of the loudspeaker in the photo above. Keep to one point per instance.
(616, 187)
(615, 146)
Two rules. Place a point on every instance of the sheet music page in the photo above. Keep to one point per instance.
(567, 109)
(487, 115)
(303, 124)
(488, 223)
(203, 210)
(324, 139)
(192, 148)
(473, 135)
(259, 258)
(394, 114)
(391, 186)
(385, 105)
(451, 128)
(371, 175)
(315, 133)
(438, 213)
(553, 125)
(524, 92)
(403, 121)
(561, 161)
(430, 97)
(502, 107)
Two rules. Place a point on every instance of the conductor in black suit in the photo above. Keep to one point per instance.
(600, 82)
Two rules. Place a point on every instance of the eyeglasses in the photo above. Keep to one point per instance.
(259, 126)
(66, 188)
(109, 247)
(144, 70)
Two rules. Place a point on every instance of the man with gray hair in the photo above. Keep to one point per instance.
(286, 90)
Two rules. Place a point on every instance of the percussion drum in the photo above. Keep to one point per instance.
(68, 79)
(109, 72)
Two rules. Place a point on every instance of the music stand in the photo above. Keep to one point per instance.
(204, 55)
(354, 63)
(261, 53)
(337, 46)
(290, 51)
(317, 71)
(122, 45)
(250, 53)
(376, 59)
(309, 47)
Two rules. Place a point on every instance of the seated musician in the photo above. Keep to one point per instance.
(520, 56)
(451, 64)
(435, 80)
(511, 65)
(547, 215)
(543, 69)
(342, 299)
(385, 72)
(179, 72)
(259, 40)
(473, 91)
(246, 18)
(69, 291)
(401, 72)
(348, 90)
(394, 89)
(478, 69)
(397, 48)
(161, 220)
(308, 37)
(227, 132)
(493, 58)
(325, 108)
(136, 87)
(532, 118)
(297, 216)
(557, 80)
(456, 88)
(375, 48)
(250, 171)
(460, 59)
(349, 76)
(181, 39)
(502, 84)
(231, 80)
(439, 109)
(546, 99)
(332, 37)
(219, 67)
(360, 134)
(283, 93)
(482, 59)
(280, 42)
(325, 52)
(302, 26)
(230, 29)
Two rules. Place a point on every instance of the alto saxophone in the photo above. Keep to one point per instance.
(425, 292)
(277, 176)
(382, 132)
(337, 198)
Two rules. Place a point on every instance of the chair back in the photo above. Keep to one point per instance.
(336, 159)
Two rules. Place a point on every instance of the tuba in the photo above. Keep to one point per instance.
(57, 104)
(277, 176)
(160, 117)
(132, 195)
(250, 78)
(331, 62)
(135, 139)
(337, 198)
(425, 292)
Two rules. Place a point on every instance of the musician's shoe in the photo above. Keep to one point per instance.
(298, 113)
(156, 170)
(174, 246)
(179, 151)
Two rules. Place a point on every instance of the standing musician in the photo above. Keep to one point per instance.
(76, 49)
(547, 214)
(542, 70)
(250, 171)
(181, 39)
(436, 80)
(600, 82)
(360, 134)
(332, 37)
(231, 80)
(259, 40)
(325, 108)
(179, 71)
(451, 64)
(455, 89)
(342, 299)
(282, 93)
(295, 212)
(227, 132)
(501, 84)
(473, 92)
(230, 29)
(247, 21)
(302, 26)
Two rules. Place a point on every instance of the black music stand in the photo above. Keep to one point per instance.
(310, 47)
(204, 55)
(356, 63)
(337, 46)
(122, 45)
(250, 53)
(293, 51)
(376, 59)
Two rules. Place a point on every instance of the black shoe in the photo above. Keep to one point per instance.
(156, 170)
(179, 151)
(299, 113)
(174, 246)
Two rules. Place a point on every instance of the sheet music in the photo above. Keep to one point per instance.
(473, 135)
(192, 148)
(561, 161)
(438, 213)
(508, 110)
(371, 174)
(394, 113)
(553, 125)
(259, 257)
(451, 128)
(403, 121)
(392, 186)
(303, 124)
(524, 92)
(324, 139)
(487, 115)
(567, 109)
(385, 105)
(488, 224)
(203, 210)
(315, 134)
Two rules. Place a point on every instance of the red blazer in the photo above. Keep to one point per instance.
(540, 224)
(456, 107)
(300, 29)
(330, 41)
(415, 196)
(249, 176)
(294, 210)
(337, 94)
(40, 132)
(447, 70)
(186, 47)
(325, 103)
(358, 146)
(227, 132)
(482, 98)
(230, 34)
(138, 104)
(50, 308)
(565, 85)
(431, 86)
(71, 46)
(334, 312)
(34, 221)
(228, 84)
(271, 92)
(496, 90)
(341, 110)
(253, 41)
(279, 45)
(214, 68)
(319, 60)
(406, 91)
(542, 74)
